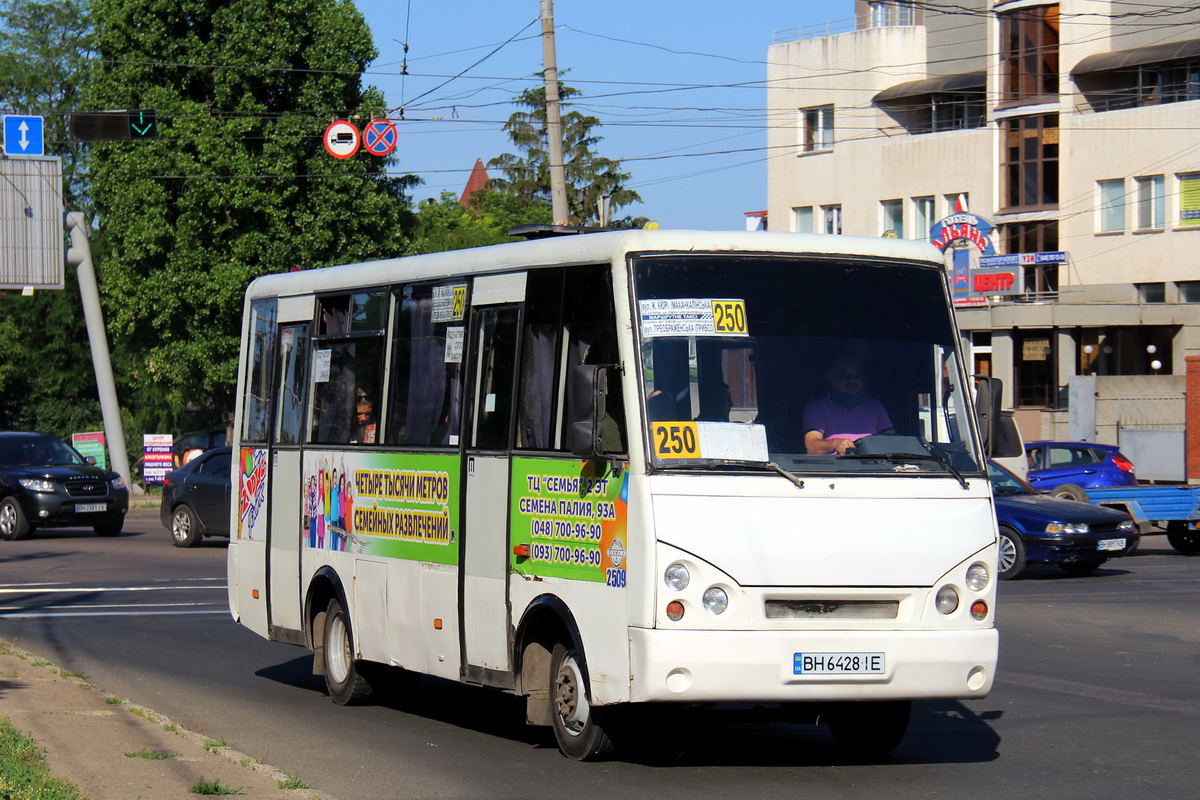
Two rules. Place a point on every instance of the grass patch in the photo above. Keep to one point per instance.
(40, 662)
(292, 782)
(70, 673)
(213, 745)
(138, 712)
(212, 787)
(23, 770)
(114, 701)
(170, 727)
(152, 755)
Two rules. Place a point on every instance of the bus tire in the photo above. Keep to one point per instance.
(1183, 540)
(345, 684)
(575, 723)
(1012, 561)
(869, 729)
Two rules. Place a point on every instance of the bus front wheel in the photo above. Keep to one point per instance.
(342, 678)
(869, 729)
(576, 728)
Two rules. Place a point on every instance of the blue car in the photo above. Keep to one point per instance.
(1062, 468)
(1037, 529)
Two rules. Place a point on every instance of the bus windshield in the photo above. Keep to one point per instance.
(815, 364)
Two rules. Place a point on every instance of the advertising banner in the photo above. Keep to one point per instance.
(568, 520)
(158, 452)
(91, 444)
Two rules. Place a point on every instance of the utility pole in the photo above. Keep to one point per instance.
(79, 255)
(558, 177)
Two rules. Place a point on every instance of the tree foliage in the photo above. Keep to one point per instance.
(589, 176)
(237, 184)
(46, 377)
(446, 224)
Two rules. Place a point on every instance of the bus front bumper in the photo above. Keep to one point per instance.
(801, 666)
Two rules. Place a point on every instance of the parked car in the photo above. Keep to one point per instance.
(46, 483)
(1038, 529)
(195, 498)
(1061, 468)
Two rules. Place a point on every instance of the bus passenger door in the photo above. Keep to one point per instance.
(484, 604)
(285, 509)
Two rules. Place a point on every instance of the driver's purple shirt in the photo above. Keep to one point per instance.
(834, 421)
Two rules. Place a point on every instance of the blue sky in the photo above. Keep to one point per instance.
(669, 80)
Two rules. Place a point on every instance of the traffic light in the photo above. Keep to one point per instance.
(112, 126)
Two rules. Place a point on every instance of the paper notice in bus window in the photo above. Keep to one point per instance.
(695, 316)
(449, 302)
(321, 366)
(454, 345)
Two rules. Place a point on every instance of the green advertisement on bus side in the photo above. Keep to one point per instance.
(396, 505)
(568, 520)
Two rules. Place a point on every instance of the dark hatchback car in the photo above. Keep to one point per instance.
(1062, 467)
(1038, 529)
(195, 498)
(45, 483)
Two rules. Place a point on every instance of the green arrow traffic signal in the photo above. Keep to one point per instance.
(112, 126)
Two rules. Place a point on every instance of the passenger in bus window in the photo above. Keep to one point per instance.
(365, 424)
(833, 423)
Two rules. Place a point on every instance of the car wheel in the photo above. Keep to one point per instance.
(13, 525)
(576, 727)
(1012, 554)
(345, 683)
(185, 530)
(1183, 540)
(1069, 491)
(112, 528)
(869, 729)
(1081, 567)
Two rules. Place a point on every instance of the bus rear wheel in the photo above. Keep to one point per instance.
(342, 677)
(869, 729)
(576, 728)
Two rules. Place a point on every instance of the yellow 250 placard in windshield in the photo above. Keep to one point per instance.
(729, 316)
(676, 440)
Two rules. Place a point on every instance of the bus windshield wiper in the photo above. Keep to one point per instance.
(756, 466)
(901, 457)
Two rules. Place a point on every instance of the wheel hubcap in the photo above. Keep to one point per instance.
(338, 648)
(8, 520)
(181, 528)
(569, 698)
(1008, 553)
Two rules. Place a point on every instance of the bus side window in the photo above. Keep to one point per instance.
(256, 412)
(347, 361)
(540, 360)
(590, 322)
(425, 401)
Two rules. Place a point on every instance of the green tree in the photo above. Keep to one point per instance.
(589, 176)
(237, 184)
(446, 224)
(46, 377)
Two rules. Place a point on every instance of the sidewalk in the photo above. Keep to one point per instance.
(87, 733)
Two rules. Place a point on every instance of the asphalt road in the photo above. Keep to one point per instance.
(1096, 696)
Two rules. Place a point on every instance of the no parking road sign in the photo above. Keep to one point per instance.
(379, 137)
(341, 139)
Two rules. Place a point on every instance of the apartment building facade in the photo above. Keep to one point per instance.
(1052, 150)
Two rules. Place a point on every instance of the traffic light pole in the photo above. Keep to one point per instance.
(80, 256)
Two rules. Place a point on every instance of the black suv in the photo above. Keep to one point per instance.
(45, 482)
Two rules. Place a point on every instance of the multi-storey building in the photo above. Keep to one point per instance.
(1070, 133)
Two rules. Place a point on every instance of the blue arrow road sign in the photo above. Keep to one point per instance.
(23, 136)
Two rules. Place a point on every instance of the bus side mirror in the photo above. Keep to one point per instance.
(588, 387)
(988, 392)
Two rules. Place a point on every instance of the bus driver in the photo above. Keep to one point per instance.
(833, 423)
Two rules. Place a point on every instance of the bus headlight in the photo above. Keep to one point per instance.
(677, 577)
(977, 577)
(946, 600)
(715, 600)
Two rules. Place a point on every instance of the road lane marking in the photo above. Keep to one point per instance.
(140, 613)
(7, 590)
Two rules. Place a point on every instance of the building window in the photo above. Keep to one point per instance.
(1189, 200)
(923, 217)
(802, 219)
(1030, 162)
(1029, 40)
(1034, 237)
(957, 111)
(1151, 204)
(957, 202)
(1189, 291)
(833, 218)
(1035, 368)
(892, 13)
(1112, 205)
(1142, 85)
(893, 218)
(817, 128)
(1151, 292)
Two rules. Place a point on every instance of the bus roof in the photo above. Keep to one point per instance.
(588, 248)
